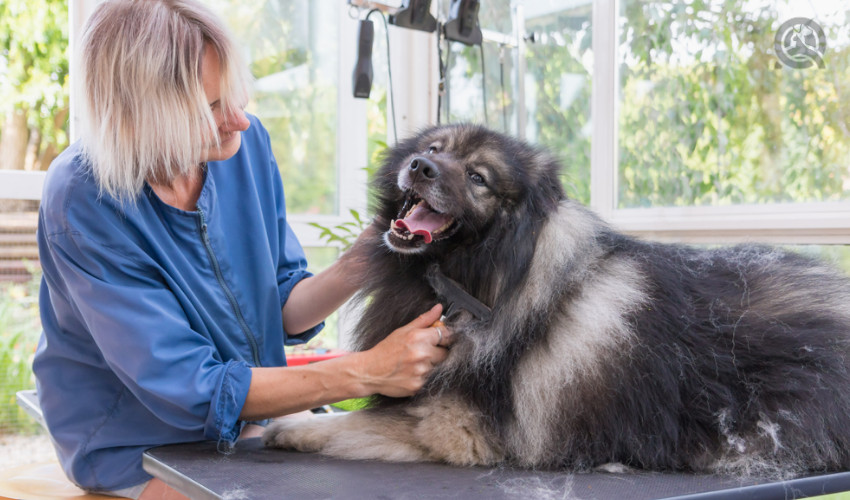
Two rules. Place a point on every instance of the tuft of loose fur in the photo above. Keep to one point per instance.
(601, 349)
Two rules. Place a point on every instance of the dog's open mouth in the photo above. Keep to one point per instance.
(417, 221)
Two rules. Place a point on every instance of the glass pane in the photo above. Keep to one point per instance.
(494, 15)
(559, 68)
(836, 255)
(464, 101)
(710, 114)
(378, 104)
(558, 86)
(291, 47)
(33, 131)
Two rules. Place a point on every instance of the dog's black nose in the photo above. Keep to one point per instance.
(427, 167)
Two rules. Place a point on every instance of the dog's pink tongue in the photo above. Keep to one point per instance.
(423, 222)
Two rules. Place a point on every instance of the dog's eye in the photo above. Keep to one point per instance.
(476, 178)
(432, 150)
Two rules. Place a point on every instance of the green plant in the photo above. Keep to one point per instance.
(20, 328)
(343, 234)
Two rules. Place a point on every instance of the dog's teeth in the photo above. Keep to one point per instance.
(413, 208)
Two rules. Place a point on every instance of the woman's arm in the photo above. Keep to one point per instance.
(398, 366)
(313, 299)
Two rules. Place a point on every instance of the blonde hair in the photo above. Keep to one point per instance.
(144, 113)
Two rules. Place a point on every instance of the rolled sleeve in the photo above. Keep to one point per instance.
(223, 423)
(285, 289)
(288, 282)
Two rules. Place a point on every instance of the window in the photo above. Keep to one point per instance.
(699, 131)
(711, 116)
(20, 326)
(719, 138)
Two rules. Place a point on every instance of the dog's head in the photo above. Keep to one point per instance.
(451, 184)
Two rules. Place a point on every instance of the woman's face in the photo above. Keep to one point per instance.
(229, 127)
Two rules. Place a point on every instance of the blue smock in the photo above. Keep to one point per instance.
(153, 316)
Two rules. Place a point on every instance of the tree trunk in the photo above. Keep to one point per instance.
(51, 149)
(33, 145)
(47, 156)
(13, 142)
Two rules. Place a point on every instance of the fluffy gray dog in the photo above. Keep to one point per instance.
(600, 348)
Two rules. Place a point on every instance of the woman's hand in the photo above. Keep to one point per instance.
(397, 367)
(400, 364)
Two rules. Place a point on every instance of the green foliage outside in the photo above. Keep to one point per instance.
(343, 235)
(710, 117)
(20, 328)
(33, 82)
(707, 114)
(561, 50)
(560, 65)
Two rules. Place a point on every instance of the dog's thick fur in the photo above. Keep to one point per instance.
(601, 348)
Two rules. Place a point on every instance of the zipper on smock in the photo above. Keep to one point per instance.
(205, 238)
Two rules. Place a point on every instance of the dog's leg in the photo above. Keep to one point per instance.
(434, 429)
(360, 435)
(453, 432)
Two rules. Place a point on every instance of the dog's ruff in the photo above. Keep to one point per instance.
(601, 349)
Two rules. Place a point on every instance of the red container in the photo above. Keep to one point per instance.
(312, 357)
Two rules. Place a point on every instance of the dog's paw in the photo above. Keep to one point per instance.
(294, 435)
(276, 435)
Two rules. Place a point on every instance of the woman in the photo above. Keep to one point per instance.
(171, 279)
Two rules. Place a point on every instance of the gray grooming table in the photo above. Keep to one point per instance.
(252, 471)
(199, 471)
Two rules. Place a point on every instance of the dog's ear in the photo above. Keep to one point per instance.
(543, 190)
(546, 198)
